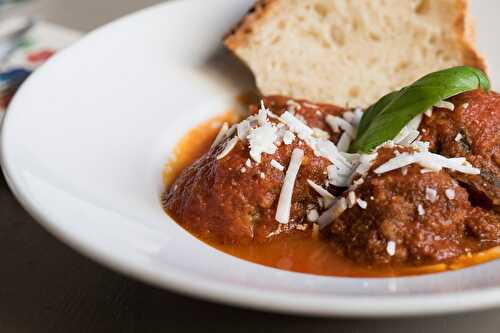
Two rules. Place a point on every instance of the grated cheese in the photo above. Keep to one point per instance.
(351, 199)
(361, 203)
(248, 163)
(227, 149)
(421, 210)
(427, 160)
(391, 248)
(450, 193)
(243, 129)
(297, 126)
(328, 150)
(320, 190)
(312, 215)
(459, 137)
(445, 105)
(336, 178)
(431, 194)
(344, 142)
(414, 124)
(337, 123)
(262, 175)
(221, 135)
(332, 213)
(406, 137)
(275, 164)
(262, 140)
(285, 199)
(293, 105)
(320, 134)
(288, 137)
(230, 131)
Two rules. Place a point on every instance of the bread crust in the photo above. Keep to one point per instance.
(466, 33)
(239, 35)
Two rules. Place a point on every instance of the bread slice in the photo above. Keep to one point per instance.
(351, 52)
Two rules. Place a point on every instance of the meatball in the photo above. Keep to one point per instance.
(233, 200)
(472, 131)
(410, 217)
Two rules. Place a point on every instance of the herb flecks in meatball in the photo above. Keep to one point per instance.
(411, 216)
(471, 130)
(231, 194)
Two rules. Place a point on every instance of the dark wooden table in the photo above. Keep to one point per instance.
(47, 287)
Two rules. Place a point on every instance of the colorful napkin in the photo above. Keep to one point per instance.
(39, 44)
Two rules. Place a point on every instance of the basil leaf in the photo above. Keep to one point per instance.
(385, 119)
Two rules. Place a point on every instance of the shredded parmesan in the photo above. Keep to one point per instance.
(337, 123)
(248, 163)
(391, 248)
(465, 106)
(333, 213)
(320, 134)
(344, 142)
(450, 193)
(427, 160)
(243, 129)
(459, 137)
(285, 199)
(431, 194)
(336, 178)
(406, 136)
(445, 105)
(297, 126)
(351, 199)
(275, 164)
(227, 149)
(288, 137)
(221, 135)
(361, 203)
(320, 190)
(230, 131)
(262, 140)
(414, 124)
(312, 215)
(421, 210)
(293, 105)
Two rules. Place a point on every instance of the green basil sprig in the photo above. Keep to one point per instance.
(385, 119)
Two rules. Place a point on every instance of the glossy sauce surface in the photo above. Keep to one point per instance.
(296, 252)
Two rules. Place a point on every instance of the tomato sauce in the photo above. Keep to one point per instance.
(297, 252)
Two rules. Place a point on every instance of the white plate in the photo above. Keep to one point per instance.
(85, 141)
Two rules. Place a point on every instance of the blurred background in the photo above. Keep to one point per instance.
(47, 287)
(76, 14)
